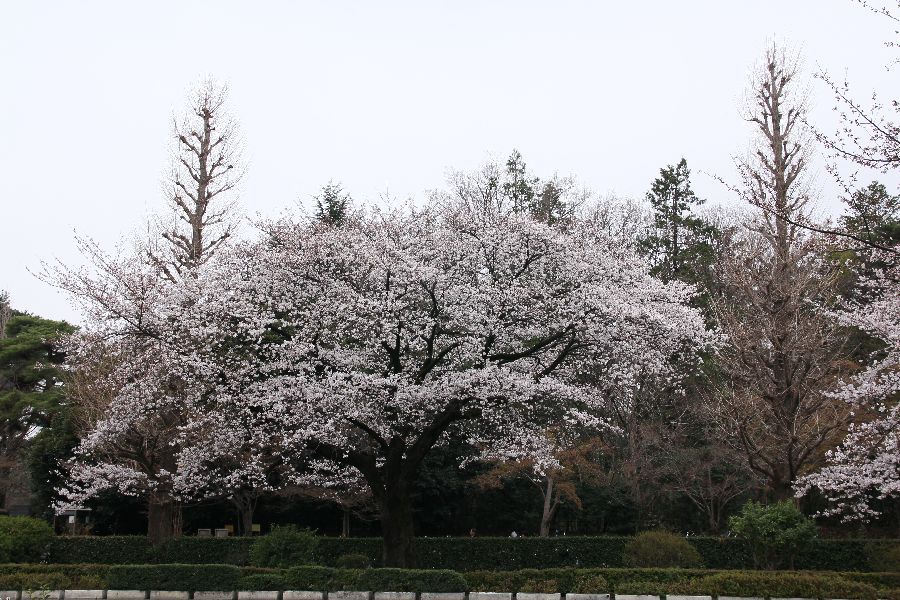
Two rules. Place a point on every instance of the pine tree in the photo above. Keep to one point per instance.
(332, 204)
(680, 243)
(873, 214)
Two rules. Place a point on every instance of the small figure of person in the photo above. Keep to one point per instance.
(472, 532)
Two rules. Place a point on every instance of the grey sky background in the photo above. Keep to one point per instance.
(384, 97)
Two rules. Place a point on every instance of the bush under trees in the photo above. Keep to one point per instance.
(23, 539)
(660, 549)
(777, 533)
(285, 546)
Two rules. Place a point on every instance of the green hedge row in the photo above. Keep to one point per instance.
(783, 584)
(463, 554)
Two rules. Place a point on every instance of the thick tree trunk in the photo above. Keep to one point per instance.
(247, 519)
(397, 525)
(163, 520)
(245, 502)
(548, 513)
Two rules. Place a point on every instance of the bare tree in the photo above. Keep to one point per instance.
(120, 296)
(559, 485)
(784, 353)
(206, 170)
(5, 313)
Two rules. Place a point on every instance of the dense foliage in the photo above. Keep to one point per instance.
(777, 533)
(23, 539)
(286, 546)
(467, 554)
(660, 549)
(596, 581)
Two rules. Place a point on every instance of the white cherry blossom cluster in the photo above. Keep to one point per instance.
(864, 470)
(325, 354)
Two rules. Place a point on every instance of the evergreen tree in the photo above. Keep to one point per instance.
(873, 214)
(332, 204)
(680, 243)
(518, 186)
(545, 201)
(31, 389)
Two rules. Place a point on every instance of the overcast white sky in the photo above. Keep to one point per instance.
(382, 96)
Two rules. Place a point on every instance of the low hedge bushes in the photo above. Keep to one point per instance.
(39, 576)
(783, 585)
(467, 554)
(173, 577)
(262, 582)
(548, 581)
(108, 550)
(394, 580)
(779, 584)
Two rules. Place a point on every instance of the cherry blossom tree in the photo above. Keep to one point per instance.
(864, 470)
(132, 358)
(862, 474)
(371, 340)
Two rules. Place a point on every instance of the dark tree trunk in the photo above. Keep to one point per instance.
(163, 520)
(345, 523)
(247, 519)
(397, 525)
(245, 502)
(551, 503)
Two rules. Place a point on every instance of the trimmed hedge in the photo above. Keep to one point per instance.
(549, 581)
(267, 582)
(107, 550)
(173, 577)
(38, 576)
(463, 554)
(783, 584)
(207, 550)
(394, 580)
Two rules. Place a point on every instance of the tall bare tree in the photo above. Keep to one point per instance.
(121, 295)
(783, 353)
(5, 313)
(206, 170)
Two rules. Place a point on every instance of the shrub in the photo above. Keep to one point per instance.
(261, 582)
(108, 549)
(464, 554)
(23, 539)
(660, 549)
(409, 580)
(49, 581)
(310, 578)
(380, 580)
(538, 581)
(173, 577)
(879, 580)
(784, 585)
(539, 586)
(652, 588)
(886, 560)
(493, 581)
(207, 550)
(353, 561)
(775, 532)
(285, 546)
(589, 583)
